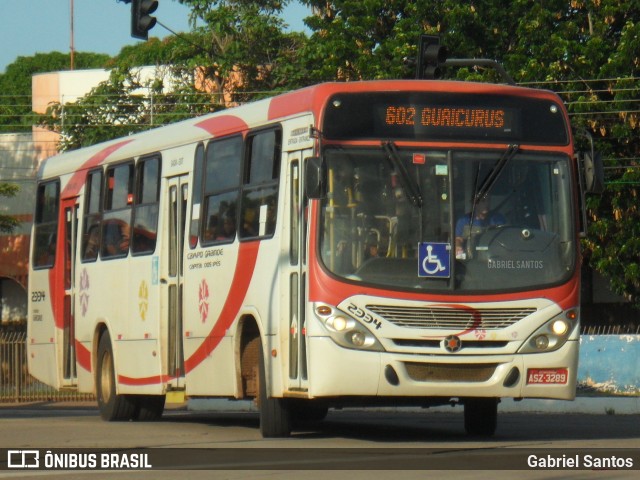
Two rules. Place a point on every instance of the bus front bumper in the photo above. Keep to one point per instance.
(335, 371)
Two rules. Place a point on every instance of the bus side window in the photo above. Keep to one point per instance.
(116, 226)
(196, 196)
(92, 217)
(46, 224)
(145, 212)
(221, 183)
(260, 186)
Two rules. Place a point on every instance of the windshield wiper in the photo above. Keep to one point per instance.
(495, 172)
(491, 179)
(411, 188)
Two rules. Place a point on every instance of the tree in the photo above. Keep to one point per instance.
(15, 85)
(244, 52)
(7, 222)
(126, 104)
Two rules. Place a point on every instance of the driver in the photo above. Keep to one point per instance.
(483, 217)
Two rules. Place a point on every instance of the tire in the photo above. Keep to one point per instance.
(112, 407)
(275, 414)
(481, 416)
(149, 408)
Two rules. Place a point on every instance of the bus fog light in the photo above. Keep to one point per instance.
(359, 339)
(560, 327)
(542, 342)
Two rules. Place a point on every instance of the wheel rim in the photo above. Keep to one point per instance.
(106, 376)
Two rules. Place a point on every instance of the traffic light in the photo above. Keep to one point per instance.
(431, 57)
(141, 19)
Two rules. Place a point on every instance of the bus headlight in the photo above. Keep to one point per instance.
(340, 323)
(346, 331)
(560, 327)
(552, 335)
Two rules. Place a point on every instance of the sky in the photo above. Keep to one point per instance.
(28, 27)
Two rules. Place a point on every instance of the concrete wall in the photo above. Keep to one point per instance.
(609, 364)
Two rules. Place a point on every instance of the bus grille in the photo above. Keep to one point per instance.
(451, 318)
(436, 372)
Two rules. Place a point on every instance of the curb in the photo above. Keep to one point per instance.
(584, 405)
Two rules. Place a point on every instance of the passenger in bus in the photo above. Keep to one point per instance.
(117, 235)
(372, 247)
(483, 218)
(46, 252)
(92, 244)
(211, 232)
(228, 230)
(250, 223)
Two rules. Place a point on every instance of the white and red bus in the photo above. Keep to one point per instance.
(368, 243)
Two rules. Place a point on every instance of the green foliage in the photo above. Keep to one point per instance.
(7, 222)
(15, 84)
(123, 105)
(244, 50)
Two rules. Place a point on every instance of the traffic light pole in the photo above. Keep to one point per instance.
(432, 57)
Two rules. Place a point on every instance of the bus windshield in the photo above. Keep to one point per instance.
(450, 220)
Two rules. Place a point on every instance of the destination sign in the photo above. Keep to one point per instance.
(450, 117)
(436, 116)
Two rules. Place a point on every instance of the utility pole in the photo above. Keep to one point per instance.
(72, 42)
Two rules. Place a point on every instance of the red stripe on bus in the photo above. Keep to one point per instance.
(291, 103)
(217, 126)
(77, 180)
(144, 381)
(245, 266)
(247, 256)
(83, 356)
(56, 274)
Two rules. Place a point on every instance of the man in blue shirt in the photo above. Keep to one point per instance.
(483, 217)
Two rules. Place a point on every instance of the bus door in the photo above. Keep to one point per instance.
(175, 195)
(297, 273)
(69, 227)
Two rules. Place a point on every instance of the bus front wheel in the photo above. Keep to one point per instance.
(275, 414)
(113, 407)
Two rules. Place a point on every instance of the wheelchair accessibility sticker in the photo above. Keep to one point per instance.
(434, 260)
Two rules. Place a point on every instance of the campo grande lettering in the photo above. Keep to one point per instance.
(447, 117)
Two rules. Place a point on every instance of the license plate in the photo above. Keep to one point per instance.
(547, 376)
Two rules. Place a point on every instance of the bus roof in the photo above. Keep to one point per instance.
(252, 115)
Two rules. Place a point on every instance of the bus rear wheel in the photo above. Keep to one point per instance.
(113, 407)
(275, 413)
(481, 416)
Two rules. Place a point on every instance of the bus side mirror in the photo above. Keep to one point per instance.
(315, 178)
(592, 171)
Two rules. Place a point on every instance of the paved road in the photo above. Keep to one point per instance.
(365, 441)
